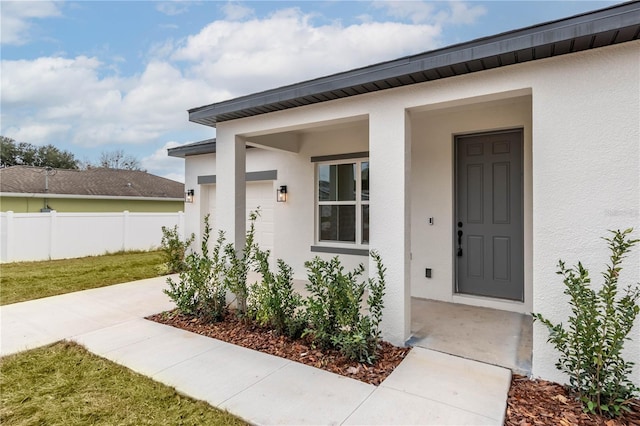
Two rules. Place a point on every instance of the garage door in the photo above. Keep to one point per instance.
(260, 194)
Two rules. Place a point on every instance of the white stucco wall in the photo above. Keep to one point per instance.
(581, 115)
(586, 162)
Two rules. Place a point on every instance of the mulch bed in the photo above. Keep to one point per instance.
(530, 402)
(539, 402)
(249, 335)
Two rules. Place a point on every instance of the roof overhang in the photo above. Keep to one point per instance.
(605, 27)
(197, 148)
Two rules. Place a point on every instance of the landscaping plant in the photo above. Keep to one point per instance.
(239, 265)
(174, 249)
(591, 346)
(336, 304)
(201, 288)
(335, 314)
(275, 303)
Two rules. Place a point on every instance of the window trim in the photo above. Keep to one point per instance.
(356, 247)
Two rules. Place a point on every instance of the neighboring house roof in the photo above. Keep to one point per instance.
(91, 183)
(613, 25)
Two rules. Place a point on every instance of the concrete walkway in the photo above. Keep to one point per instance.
(428, 387)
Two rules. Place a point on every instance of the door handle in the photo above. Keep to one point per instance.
(459, 241)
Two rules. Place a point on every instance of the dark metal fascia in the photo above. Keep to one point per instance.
(197, 148)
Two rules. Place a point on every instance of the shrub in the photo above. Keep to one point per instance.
(275, 303)
(331, 296)
(591, 347)
(174, 249)
(376, 294)
(239, 265)
(200, 290)
(335, 305)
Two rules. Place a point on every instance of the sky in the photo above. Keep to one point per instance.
(98, 76)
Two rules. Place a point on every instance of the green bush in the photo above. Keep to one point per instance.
(591, 346)
(334, 315)
(174, 249)
(201, 288)
(275, 304)
(239, 265)
(333, 297)
(335, 308)
(375, 300)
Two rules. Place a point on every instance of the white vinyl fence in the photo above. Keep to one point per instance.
(42, 236)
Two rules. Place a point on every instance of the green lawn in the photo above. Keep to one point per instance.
(32, 280)
(63, 384)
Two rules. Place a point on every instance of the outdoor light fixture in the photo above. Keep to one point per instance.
(188, 196)
(282, 194)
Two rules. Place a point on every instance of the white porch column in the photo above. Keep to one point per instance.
(231, 186)
(390, 233)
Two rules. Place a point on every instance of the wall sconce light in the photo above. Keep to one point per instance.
(188, 196)
(281, 194)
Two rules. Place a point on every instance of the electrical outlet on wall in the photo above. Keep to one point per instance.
(427, 272)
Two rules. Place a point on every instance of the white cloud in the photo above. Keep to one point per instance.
(365, 17)
(462, 13)
(416, 11)
(82, 100)
(286, 47)
(48, 81)
(71, 94)
(420, 12)
(178, 177)
(173, 8)
(159, 163)
(37, 133)
(162, 50)
(235, 12)
(17, 16)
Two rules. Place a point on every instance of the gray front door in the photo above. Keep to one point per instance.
(488, 232)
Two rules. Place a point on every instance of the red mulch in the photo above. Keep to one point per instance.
(530, 402)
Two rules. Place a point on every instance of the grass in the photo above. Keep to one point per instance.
(63, 384)
(22, 281)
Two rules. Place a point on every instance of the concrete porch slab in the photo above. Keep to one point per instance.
(388, 406)
(472, 386)
(488, 335)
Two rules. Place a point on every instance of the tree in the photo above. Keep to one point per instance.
(119, 160)
(26, 154)
(8, 152)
